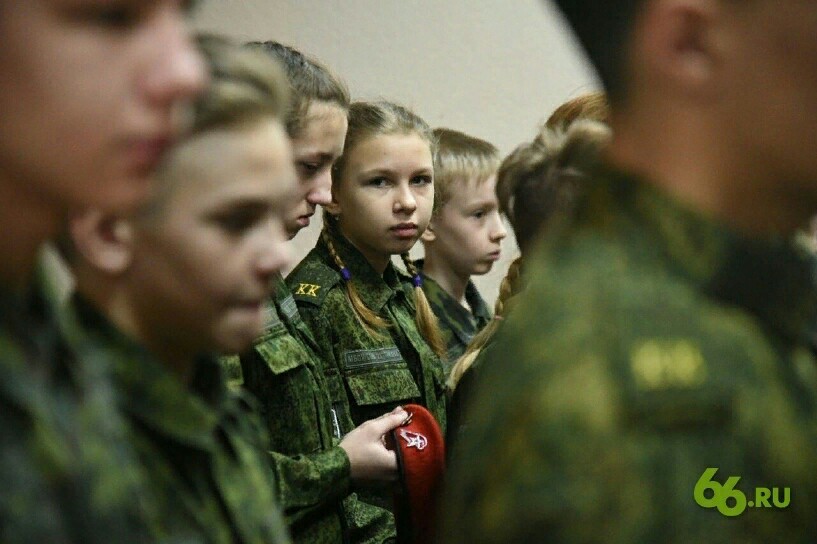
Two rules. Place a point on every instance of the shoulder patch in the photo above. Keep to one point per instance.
(663, 364)
(671, 386)
(312, 282)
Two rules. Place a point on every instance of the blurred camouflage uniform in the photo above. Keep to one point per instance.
(200, 446)
(67, 472)
(367, 375)
(458, 324)
(652, 344)
(283, 371)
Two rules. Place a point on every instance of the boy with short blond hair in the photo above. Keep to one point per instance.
(464, 236)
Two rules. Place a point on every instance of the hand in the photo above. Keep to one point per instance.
(366, 449)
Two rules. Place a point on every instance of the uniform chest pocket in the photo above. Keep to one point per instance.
(378, 376)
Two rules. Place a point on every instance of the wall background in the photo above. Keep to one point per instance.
(492, 68)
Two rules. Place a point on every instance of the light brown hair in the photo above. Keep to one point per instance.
(309, 81)
(460, 158)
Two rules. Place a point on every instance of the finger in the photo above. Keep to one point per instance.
(384, 424)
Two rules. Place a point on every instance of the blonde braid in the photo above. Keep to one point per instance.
(510, 286)
(372, 322)
(424, 315)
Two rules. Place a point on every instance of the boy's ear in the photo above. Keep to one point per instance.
(105, 242)
(429, 235)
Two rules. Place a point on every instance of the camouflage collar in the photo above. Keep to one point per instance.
(149, 392)
(772, 278)
(375, 290)
(439, 297)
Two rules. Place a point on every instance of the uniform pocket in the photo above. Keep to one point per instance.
(382, 385)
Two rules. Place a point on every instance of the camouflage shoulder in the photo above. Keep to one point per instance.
(312, 280)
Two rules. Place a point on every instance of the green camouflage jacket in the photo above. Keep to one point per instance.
(201, 447)
(375, 374)
(651, 345)
(67, 471)
(283, 371)
(457, 323)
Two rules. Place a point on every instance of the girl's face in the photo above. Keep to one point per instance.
(315, 151)
(385, 195)
(203, 260)
(87, 98)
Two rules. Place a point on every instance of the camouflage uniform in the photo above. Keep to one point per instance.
(457, 323)
(652, 344)
(283, 371)
(370, 375)
(67, 472)
(200, 447)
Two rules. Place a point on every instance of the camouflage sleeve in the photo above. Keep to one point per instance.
(310, 481)
(368, 524)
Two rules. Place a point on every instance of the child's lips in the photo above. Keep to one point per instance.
(494, 255)
(405, 230)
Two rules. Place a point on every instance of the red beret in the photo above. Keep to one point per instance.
(420, 450)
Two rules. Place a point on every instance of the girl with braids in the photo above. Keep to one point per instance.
(284, 371)
(535, 185)
(375, 330)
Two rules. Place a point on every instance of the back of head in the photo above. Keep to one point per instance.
(590, 106)
(540, 179)
(309, 81)
(460, 158)
(603, 27)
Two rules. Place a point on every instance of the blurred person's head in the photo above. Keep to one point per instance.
(713, 99)
(88, 98)
(189, 272)
(316, 124)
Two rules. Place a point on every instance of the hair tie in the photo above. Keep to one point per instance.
(417, 280)
(345, 274)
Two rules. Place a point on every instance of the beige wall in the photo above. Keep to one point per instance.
(492, 68)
